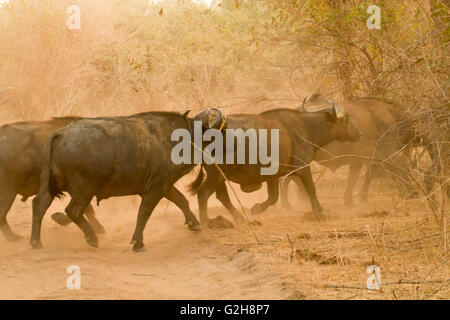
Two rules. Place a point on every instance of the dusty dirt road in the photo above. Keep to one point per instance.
(295, 258)
(178, 263)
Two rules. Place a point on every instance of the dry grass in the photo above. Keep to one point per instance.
(328, 260)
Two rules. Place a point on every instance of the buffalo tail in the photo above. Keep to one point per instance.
(195, 185)
(48, 179)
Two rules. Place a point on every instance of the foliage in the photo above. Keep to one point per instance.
(251, 55)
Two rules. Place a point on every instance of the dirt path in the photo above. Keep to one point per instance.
(178, 264)
(322, 260)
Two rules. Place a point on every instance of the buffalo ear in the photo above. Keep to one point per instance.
(185, 114)
(215, 118)
(202, 117)
(210, 118)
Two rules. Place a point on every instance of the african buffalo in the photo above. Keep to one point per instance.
(21, 152)
(300, 134)
(384, 132)
(109, 157)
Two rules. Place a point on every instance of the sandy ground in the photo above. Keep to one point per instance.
(294, 258)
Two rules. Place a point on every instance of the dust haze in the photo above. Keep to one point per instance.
(250, 56)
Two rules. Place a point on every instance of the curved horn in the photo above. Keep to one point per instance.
(303, 108)
(185, 114)
(334, 111)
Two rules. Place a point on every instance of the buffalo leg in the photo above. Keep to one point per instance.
(273, 193)
(223, 196)
(204, 192)
(284, 188)
(40, 205)
(90, 215)
(181, 202)
(353, 175)
(64, 220)
(75, 210)
(148, 203)
(6, 200)
(431, 177)
(372, 170)
(306, 177)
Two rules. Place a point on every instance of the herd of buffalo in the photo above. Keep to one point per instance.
(118, 156)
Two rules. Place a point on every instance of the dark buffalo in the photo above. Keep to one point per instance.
(384, 133)
(300, 134)
(21, 152)
(109, 157)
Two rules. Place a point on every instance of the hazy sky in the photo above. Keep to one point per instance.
(206, 2)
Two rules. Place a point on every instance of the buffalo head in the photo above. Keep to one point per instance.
(344, 130)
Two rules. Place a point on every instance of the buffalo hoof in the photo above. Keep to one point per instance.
(139, 247)
(36, 244)
(321, 216)
(256, 209)
(61, 219)
(92, 241)
(194, 227)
